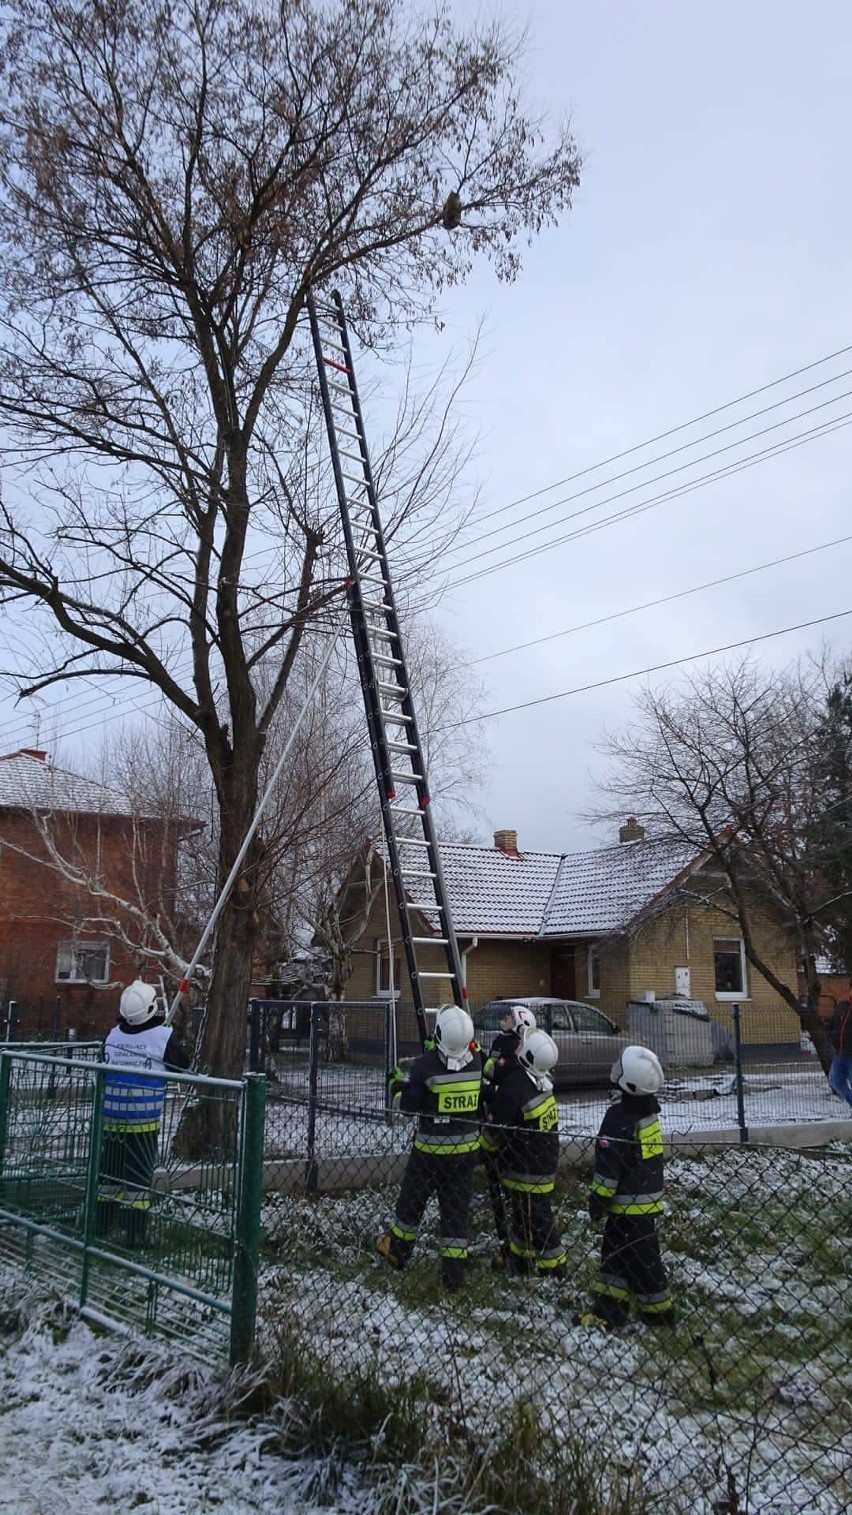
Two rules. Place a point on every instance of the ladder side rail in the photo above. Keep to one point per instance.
(382, 770)
(372, 703)
(407, 709)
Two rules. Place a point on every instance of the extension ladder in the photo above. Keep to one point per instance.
(412, 848)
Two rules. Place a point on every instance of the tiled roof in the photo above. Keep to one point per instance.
(551, 894)
(490, 891)
(31, 783)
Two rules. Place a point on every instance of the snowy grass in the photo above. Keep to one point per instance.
(751, 1394)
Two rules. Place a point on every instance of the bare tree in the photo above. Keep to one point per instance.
(173, 178)
(730, 763)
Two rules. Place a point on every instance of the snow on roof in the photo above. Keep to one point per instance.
(552, 894)
(492, 891)
(29, 782)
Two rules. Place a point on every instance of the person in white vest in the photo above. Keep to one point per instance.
(139, 1045)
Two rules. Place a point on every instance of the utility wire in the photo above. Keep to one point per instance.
(97, 703)
(638, 673)
(664, 456)
(658, 478)
(662, 436)
(726, 471)
(667, 599)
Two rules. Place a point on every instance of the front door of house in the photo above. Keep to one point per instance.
(563, 973)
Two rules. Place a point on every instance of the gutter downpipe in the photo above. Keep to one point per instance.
(474, 943)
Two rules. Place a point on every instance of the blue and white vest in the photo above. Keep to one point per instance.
(132, 1103)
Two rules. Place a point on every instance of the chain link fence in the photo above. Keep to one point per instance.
(332, 1059)
(512, 1390)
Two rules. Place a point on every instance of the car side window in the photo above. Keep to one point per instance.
(588, 1019)
(560, 1020)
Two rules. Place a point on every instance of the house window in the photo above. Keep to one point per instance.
(593, 965)
(729, 963)
(383, 982)
(82, 963)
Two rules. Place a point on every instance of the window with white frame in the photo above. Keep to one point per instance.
(82, 963)
(383, 963)
(593, 968)
(729, 966)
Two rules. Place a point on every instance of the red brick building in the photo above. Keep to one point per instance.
(61, 960)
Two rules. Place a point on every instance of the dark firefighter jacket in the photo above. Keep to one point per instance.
(524, 1127)
(447, 1103)
(628, 1177)
(500, 1059)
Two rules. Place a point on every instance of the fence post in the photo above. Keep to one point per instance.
(5, 1075)
(254, 1037)
(738, 1073)
(311, 1174)
(244, 1293)
(92, 1178)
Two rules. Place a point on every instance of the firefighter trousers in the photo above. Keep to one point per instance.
(128, 1159)
(632, 1268)
(496, 1196)
(450, 1178)
(535, 1239)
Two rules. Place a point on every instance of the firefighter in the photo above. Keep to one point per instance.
(627, 1189)
(523, 1124)
(141, 1042)
(443, 1088)
(514, 1026)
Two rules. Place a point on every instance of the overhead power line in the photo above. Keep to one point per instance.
(638, 673)
(666, 599)
(116, 706)
(726, 471)
(662, 457)
(658, 478)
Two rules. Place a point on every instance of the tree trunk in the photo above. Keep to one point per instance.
(206, 1128)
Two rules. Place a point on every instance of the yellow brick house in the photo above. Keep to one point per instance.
(638, 919)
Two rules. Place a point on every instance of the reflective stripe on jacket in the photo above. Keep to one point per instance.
(133, 1103)
(524, 1129)
(628, 1176)
(446, 1102)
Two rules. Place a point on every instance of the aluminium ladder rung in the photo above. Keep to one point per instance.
(381, 664)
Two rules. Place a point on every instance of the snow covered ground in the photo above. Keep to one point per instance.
(89, 1423)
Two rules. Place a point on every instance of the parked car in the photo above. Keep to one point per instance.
(588, 1041)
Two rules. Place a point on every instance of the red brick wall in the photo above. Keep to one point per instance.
(39, 909)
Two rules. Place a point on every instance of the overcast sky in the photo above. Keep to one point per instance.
(706, 256)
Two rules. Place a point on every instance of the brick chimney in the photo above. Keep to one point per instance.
(507, 841)
(631, 831)
(32, 752)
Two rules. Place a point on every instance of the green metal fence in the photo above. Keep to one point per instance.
(171, 1253)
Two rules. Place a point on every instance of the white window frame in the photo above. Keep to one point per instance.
(732, 995)
(593, 962)
(383, 955)
(67, 951)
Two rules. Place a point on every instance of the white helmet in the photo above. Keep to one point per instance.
(638, 1071)
(138, 1003)
(523, 1020)
(453, 1032)
(539, 1052)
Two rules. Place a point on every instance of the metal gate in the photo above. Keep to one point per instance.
(173, 1256)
